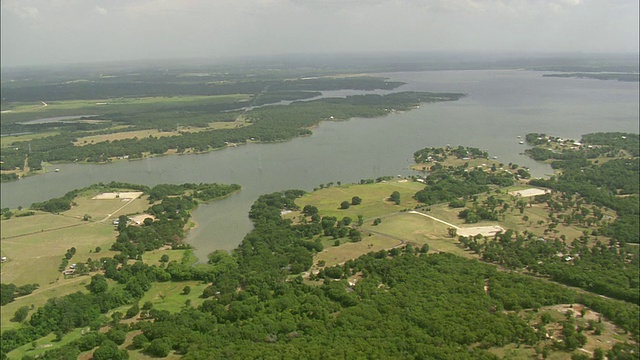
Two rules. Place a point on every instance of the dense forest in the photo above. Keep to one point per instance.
(400, 304)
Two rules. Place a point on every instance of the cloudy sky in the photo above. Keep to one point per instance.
(71, 31)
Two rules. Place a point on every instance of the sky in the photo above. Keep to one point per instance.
(41, 32)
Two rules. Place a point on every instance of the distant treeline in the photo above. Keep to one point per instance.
(133, 87)
(268, 124)
(631, 77)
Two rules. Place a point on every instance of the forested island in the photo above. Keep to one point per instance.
(468, 259)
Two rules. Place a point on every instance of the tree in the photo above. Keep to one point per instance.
(122, 222)
(164, 258)
(98, 284)
(159, 347)
(20, 314)
(132, 311)
(140, 341)
(360, 220)
(356, 200)
(344, 205)
(395, 197)
(109, 351)
(377, 221)
(309, 210)
(452, 232)
(598, 354)
(186, 290)
(117, 336)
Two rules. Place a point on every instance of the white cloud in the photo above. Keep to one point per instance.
(85, 30)
(101, 10)
(20, 9)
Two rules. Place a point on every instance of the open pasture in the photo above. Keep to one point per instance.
(102, 207)
(35, 258)
(168, 295)
(44, 344)
(40, 222)
(37, 110)
(7, 141)
(333, 255)
(40, 296)
(374, 197)
(419, 230)
(141, 134)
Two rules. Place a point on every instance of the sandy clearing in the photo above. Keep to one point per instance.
(139, 219)
(483, 230)
(469, 231)
(118, 195)
(528, 192)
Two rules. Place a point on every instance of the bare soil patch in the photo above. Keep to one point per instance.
(483, 230)
(130, 195)
(139, 219)
(528, 192)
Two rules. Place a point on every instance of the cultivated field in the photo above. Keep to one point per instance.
(374, 197)
(36, 110)
(35, 246)
(428, 225)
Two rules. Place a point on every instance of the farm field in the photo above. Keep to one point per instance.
(374, 197)
(334, 255)
(35, 258)
(37, 110)
(100, 209)
(35, 246)
(40, 296)
(399, 226)
(168, 295)
(419, 230)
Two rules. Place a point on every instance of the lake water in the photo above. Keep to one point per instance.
(501, 104)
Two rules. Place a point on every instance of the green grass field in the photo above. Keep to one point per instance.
(44, 344)
(7, 141)
(168, 295)
(100, 209)
(398, 226)
(32, 111)
(35, 258)
(35, 245)
(333, 255)
(40, 296)
(374, 197)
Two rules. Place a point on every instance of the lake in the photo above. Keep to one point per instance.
(501, 105)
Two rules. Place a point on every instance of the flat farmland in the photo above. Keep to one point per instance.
(374, 197)
(35, 258)
(40, 296)
(38, 110)
(333, 255)
(168, 295)
(99, 209)
(7, 141)
(39, 222)
(418, 230)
